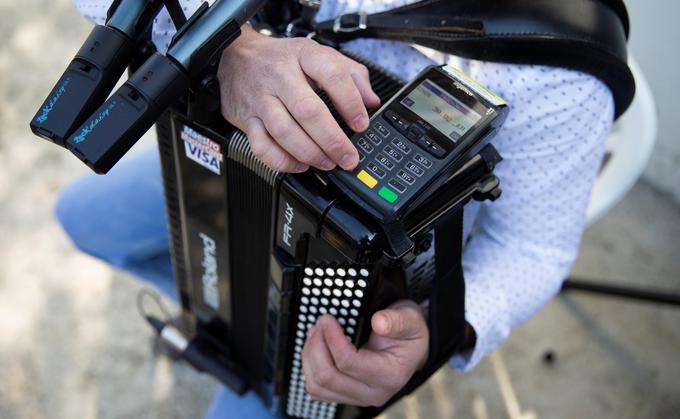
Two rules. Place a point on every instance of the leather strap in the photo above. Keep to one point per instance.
(446, 312)
(584, 35)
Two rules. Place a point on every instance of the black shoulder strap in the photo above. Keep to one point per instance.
(446, 318)
(584, 35)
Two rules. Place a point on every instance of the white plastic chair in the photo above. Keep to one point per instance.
(629, 146)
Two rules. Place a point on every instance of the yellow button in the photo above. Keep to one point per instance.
(367, 179)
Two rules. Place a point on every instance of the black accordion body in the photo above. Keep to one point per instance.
(259, 255)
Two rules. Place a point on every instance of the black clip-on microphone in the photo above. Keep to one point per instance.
(96, 68)
(118, 124)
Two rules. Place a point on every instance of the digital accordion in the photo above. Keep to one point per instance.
(259, 255)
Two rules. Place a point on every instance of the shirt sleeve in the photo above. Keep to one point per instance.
(524, 244)
(163, 28)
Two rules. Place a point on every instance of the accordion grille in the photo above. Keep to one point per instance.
(241, 153)
(340, 292)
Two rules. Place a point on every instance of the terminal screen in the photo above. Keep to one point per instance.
(444, 112)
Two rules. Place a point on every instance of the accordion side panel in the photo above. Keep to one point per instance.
(174, 219)
(202, 203)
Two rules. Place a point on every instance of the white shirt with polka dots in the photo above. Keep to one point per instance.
(523, 245)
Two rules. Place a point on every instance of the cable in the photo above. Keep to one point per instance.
(149, 293)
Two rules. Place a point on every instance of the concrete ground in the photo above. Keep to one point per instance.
(73, 346)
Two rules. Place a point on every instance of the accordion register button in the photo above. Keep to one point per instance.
(367, 179)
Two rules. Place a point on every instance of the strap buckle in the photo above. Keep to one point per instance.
(350, 22)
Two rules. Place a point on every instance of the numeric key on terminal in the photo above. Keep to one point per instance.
(381, 129)
(385, 162)
(401, 145)
(364, 144)
(397, 186)
(406, 177)
(361, 157)
(416, 170)
(373, 137)
(422, 160)
(393, 153)
(376, 170)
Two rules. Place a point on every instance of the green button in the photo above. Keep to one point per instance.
(388, 195)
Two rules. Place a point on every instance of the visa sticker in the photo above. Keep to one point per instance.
(202, 150)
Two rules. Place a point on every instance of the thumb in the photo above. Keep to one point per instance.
(402, 320)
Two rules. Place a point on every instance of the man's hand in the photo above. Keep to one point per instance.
(267, 90)
(335, 371)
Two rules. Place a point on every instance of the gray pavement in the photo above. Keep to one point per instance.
(73, 346)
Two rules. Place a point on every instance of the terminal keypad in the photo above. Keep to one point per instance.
(394, 156)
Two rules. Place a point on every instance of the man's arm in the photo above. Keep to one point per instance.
(524, 244)
(267, 90)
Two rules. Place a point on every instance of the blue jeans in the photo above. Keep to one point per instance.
(120, 218)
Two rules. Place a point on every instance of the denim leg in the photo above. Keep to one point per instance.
(120, 218)
(226, 404)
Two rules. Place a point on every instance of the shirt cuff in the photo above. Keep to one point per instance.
(485, 305)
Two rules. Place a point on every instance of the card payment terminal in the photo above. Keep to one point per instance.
(422, 135)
